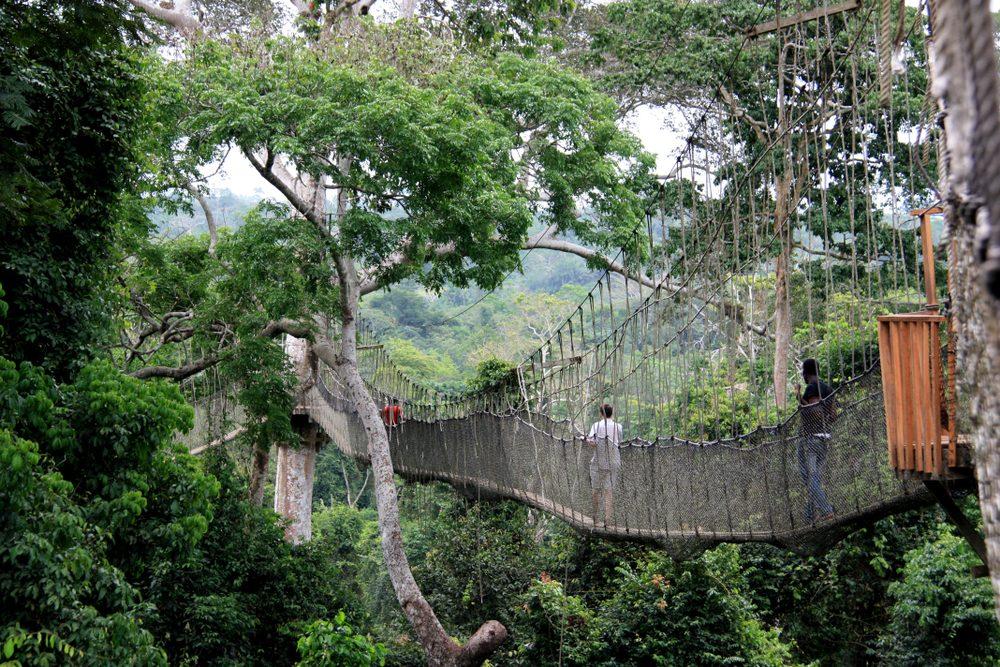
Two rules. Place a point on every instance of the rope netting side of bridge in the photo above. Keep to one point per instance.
(681, 494)
(774, 239)
(697, 310)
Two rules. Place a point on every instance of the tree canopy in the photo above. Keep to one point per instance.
(410, 158)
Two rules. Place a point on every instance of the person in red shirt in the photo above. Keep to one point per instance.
(392, 414)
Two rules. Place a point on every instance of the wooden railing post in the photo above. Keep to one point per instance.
(927, 245)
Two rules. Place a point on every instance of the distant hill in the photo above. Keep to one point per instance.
(229, 209)
(440, 338)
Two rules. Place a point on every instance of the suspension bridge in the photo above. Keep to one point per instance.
(773, 239)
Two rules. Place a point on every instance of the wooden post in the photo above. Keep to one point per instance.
(780, 22)
(927, 240)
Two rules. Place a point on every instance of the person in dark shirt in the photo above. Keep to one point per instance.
(818, 412)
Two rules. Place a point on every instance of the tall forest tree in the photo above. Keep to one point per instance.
(70, 116)
(967, 85)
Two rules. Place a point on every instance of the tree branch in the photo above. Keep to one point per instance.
(822, 253)
(178, 19)
(277, 175)
(371, 284)
(177, 372)
(543, 240)
(213, 234)
(270, 330)
(739, 113)
(728, 308)
(286, 326)
(547, 242)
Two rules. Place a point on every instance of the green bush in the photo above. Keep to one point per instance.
(686, 613)
(60, 597)
(556, 624)
(940, 614)
(243, 594)
(336, 644)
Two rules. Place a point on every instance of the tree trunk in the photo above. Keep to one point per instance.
(440, 647)
(782, 301)
(782, 326)
(213, 232)
(978, 363)
(293, 485)
(782, 228)
(965, 80)
(297, 460)
(259, 461)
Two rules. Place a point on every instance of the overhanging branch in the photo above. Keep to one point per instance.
(270, 330)
(177, 372)
(175, 18)
(729, 309)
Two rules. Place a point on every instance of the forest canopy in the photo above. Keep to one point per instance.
(460, 179)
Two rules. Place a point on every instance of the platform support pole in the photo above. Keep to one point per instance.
(955, 514)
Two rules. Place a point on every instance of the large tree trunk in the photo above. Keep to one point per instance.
(297, 460)
(966, 82)
(293, 485)
(978, 363)
(440, 648)
(308, 198)
(259, 461)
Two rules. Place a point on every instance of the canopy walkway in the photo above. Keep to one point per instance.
(681, 494)
(671, 491)
(692, 329)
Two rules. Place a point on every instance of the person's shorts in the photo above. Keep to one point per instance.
(603, 479)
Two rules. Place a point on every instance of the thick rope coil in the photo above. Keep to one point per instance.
(986, 147)
(885, 54)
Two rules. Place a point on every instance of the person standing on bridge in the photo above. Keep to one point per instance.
(818, 412)
(392, 414)
(605, 436)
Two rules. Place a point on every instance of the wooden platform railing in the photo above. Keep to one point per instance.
(920, 409)
(913, 390)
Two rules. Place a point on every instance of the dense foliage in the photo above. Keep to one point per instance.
(70, 113)
(882, 596)
(61, 595)
(243, 594)
(118, 547)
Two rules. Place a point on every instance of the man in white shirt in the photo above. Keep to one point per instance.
(605, 436)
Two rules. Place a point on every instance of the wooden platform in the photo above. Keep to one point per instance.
(964, 457)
